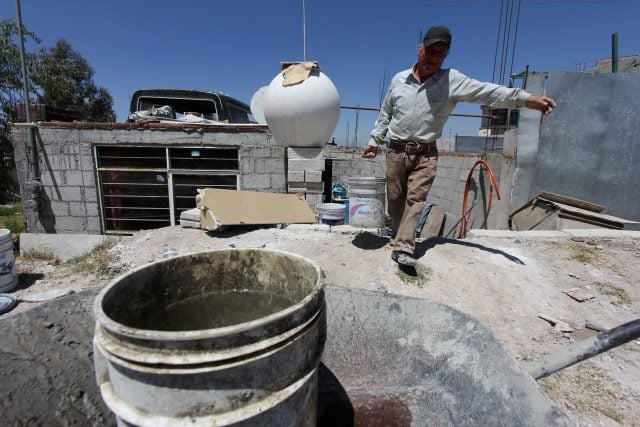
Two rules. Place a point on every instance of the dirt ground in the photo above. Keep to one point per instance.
(506, 283)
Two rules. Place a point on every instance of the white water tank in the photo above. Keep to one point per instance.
(303, 114)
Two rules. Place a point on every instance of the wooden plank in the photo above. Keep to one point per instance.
(572, 202)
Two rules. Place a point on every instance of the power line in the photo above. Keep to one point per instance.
(528, 1)
(515, 37)
(495, 55)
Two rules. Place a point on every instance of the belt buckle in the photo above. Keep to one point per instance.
(411, 147)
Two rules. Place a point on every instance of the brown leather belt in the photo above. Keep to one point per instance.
(412, 147)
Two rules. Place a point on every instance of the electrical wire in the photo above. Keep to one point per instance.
(529, 1)
(465, 224)
(495, 56)
(515, 37)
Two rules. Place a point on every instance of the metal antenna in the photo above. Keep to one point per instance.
(304, 32)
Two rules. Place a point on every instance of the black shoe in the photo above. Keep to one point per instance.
(403, 258)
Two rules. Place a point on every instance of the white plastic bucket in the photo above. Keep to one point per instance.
(8, 276)
(331, 213)
(366, 201)
(258, 366)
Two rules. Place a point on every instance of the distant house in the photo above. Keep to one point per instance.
(626, 64)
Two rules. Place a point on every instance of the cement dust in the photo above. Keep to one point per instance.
(503, 282)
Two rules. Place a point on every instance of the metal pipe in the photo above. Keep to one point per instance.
(25, 94)
(582, 350)
(614, 52)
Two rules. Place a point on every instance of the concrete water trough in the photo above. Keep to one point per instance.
(388, 360)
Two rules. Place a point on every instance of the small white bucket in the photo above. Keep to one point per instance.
(366, 201)
(331, 213)
(8, 276)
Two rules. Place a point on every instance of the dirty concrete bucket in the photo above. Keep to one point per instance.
(391, 360)
(219, 338)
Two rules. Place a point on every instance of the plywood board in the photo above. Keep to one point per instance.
(231, 207)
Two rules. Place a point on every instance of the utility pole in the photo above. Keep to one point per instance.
(355, 132)
(614, 52)
(33, 185)
(304, 32)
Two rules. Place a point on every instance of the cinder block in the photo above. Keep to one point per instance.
(247, 165)
(77, 209)
(191, 215)
(184, 223)
(68, 194)
(74, 178)
(86, 163)
(93, 225)
(261, 166)
(255, 181)
(91, 209)
(306, 165)
(260, 152)
(275, 165)
(278, 183)
(295, 176)
(59, 208)
(89, 178)
(313, 176)
(69, 224)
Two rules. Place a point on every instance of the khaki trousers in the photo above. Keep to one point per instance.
(409, 179)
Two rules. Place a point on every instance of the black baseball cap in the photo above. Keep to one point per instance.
(437, 34)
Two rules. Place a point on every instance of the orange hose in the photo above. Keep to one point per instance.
(464, 222)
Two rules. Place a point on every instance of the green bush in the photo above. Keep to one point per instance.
(11, 209)
(15, 223)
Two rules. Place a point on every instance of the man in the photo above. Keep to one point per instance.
(412, 116)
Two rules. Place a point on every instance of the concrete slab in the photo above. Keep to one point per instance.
(603, 234)
(593, 233)
(528, 234)
(63, 246)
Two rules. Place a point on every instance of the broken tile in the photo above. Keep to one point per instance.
(579, 294)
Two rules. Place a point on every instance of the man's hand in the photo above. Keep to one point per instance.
(541, 103)
(369, 152)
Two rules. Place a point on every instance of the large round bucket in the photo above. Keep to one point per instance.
(8, 275)
(214, 338)
(331, 213)
(366, 201)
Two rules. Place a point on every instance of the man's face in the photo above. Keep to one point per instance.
(430, 58)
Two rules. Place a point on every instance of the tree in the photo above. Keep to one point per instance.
(59, 76)
(10, 95)
(64, 79)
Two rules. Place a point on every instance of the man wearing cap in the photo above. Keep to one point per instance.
(413, 115)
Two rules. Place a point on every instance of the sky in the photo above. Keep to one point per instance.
(236, 46)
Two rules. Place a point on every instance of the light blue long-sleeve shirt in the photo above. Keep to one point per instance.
(414, 111)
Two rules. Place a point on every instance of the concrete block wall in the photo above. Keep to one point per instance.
(67, 166)
(69, 202)
(348, 162)
(448, 188)
(305, 167)
(68, 170)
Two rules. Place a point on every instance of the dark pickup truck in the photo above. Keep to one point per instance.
(176, 104)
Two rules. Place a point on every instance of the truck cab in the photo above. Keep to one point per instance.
(180, 104)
